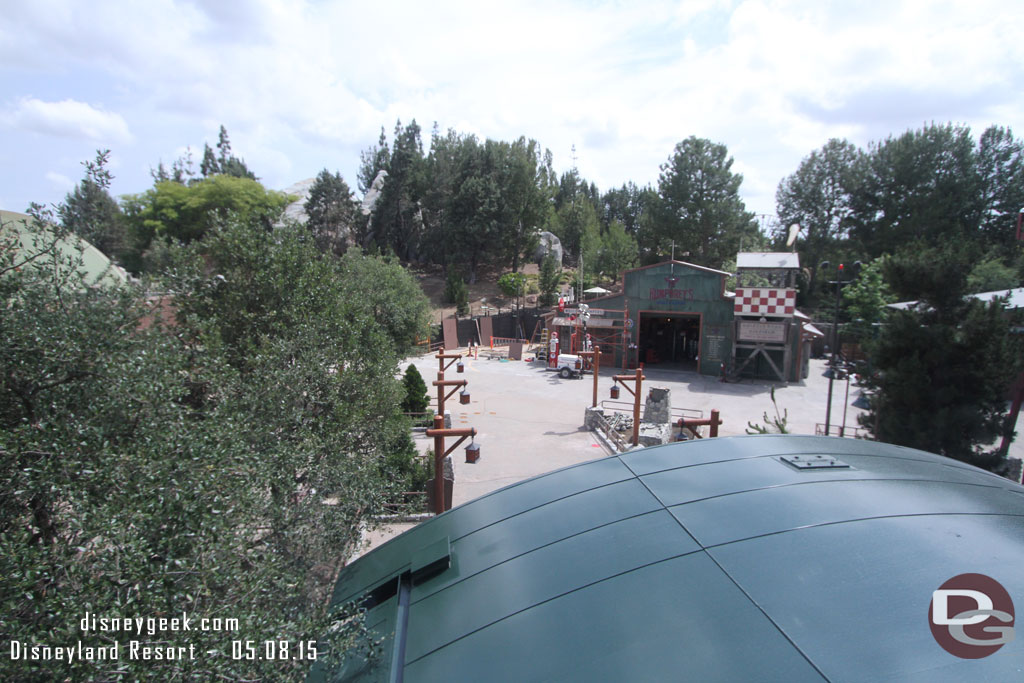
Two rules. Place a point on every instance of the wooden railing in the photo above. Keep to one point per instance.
(619, 441)
(838, 430)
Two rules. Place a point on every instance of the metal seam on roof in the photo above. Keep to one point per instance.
(531, 480)
(541, 547)
(957, 467)
(556, 597)
(863, 519)
(829, 481)
(767, 616)
(538, 507)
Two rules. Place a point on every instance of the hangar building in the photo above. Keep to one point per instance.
(677, 315)
(781, 557)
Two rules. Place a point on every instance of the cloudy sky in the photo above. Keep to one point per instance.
(303, 85)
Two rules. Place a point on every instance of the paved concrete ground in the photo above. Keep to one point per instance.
(529, 421)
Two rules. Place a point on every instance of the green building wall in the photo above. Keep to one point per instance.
(695, 291)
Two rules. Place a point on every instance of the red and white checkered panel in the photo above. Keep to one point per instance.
(780, 303)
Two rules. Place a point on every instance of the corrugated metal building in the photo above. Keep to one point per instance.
(781, 558)
(671, 314)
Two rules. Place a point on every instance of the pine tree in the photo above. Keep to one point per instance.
(416, 399)
(941, 368)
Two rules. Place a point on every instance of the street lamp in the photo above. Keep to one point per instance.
(833, 372)
(637, 380)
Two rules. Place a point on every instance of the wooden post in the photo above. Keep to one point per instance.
(597, 371)
(715, 421)
(439, 432)
(441, 384)
(439, 464)
(636, 406)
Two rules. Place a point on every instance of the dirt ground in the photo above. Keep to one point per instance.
(484, 292)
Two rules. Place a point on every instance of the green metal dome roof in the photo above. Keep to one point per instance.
(719, 559)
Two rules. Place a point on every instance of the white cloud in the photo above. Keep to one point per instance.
(60, 180)
(304, 85)
(68, 118)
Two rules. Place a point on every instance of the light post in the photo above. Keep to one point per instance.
(833, 370)
(450, 357)
(595, 366)
(637, 380)
(439, 432)
(456, 384)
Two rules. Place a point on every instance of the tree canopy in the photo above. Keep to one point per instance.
(699, 205)
(332, 211)
(151, 469)
(941, 369)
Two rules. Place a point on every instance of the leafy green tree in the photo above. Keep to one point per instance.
(942, 368)
(332, 212)
(142, 475)
(475, 212)
(778, 424)
(591, 246)
(1001, 169)
(699, 205)
(209, 165)
(416, 399)
(921, 185)
(221, 162)
(549, 280)
(817, 197)
(626, 205)
(397, 221)
(456, 292)
(512, 285)
(991, 274)
(523, 200)
(618, 251)
(866, 298)
(372, 161)
(442, 171)
(173, 212)
(394, 298)
(90, 212)
(577, 226)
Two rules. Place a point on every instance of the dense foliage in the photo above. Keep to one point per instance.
(940, 370)
(218, 463)
(416, 398)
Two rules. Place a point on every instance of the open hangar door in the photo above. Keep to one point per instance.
(670, 339)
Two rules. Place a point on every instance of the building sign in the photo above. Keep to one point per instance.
(592, 311)
(752, 331)
(715, 345)
(600, 322)
(672, 294)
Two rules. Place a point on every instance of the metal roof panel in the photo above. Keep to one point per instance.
(542, 526)
(855, 596)
(681, 619)
(544, 574)
(725, 519)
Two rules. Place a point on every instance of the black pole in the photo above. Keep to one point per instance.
(835, 342)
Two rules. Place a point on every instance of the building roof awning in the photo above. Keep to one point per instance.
(812, 331)
(767, 260)
(1015, 299)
